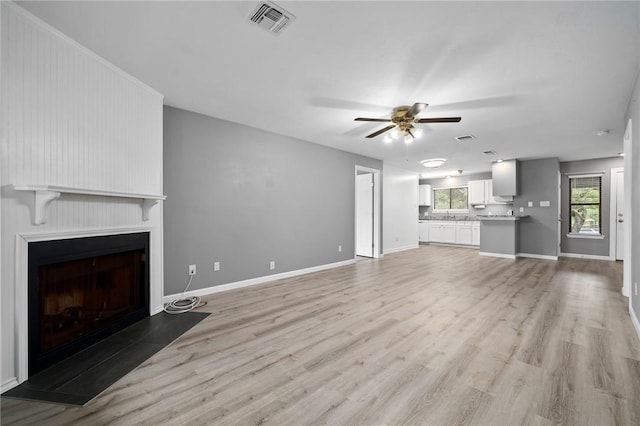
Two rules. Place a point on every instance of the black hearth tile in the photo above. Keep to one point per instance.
(173, 326)
(134, 332)
(26, 392)
(57, 375)
(82, 377)
(100, 377)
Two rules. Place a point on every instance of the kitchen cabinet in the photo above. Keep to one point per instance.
(424, 195)
(481, 193)
(423, 232)
(505, 178)
(442, 231)
(463, 233)
(475, 234)
(477, 192)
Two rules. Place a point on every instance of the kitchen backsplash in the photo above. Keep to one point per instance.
(489, 209)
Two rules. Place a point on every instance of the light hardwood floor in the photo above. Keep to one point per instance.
(434, 336)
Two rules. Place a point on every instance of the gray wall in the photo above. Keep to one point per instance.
(538, 181)
(633, 113)
(459, 181)
(244, 197)
(581, 245)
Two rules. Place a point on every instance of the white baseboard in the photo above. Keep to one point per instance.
(255, 281)
(9, 384)
(503, 256)
(586, 256)
(397, 249)
(634, 319)
(537, 256)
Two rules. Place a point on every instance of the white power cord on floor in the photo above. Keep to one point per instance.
(180, 306)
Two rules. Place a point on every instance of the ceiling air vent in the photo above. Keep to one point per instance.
(271, 17)
(489, 152)
(465, 138)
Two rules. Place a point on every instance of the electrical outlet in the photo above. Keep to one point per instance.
(521, 209)
(529, 203)
(216, 266)
(192, 269)
(339, 248)
(272, 265)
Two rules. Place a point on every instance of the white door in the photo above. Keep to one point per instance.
(364, 215)
(619, 215)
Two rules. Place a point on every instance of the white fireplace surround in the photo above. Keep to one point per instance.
(22, 281)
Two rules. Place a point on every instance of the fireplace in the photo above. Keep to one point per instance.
(83, 290)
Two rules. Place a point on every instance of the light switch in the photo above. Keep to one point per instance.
(530, 204)
(545, 203)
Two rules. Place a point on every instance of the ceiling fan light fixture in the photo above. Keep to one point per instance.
(395, 134)
(433, 163)
(417, 133)
(387, 139)
(408, 138)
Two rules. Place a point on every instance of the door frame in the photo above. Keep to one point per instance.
(559, 230)
(376, 209)
(613, 207)
(628, 212)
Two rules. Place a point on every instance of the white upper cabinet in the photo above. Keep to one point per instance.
(477, 189)
(481, 192)
(424, 195)
(505, 177)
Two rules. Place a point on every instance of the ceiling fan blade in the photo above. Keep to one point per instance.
(438, 120)
(415, 109)
(382, 120)
(374, 134)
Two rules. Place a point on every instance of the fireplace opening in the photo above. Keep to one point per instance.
(83, 290)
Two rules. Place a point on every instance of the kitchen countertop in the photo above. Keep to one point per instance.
(457, 219)
(501, 217)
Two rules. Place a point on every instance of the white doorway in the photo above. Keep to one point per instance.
(367, 212)
(628, 212)
(559, 213)
(617, 177)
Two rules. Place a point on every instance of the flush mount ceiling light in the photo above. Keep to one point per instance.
(402, 122)
(433, 163)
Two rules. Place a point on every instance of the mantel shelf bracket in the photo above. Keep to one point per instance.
(42, 199)
(147, 205)
(45, 194)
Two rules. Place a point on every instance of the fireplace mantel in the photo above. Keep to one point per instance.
(45, 194)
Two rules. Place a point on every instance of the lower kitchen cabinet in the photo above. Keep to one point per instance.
(475, 234)
(442, 231)
(450, 232)
(463, 233)
(423, 232)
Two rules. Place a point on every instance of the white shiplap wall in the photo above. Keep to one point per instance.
(72, 119)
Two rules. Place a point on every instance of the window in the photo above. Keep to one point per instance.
(584, 204)
(450, 198)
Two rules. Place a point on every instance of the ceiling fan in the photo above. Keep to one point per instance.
(402, 119)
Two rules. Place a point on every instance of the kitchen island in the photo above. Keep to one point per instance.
(499, 235)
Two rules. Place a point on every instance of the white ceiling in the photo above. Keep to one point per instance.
(530, 79)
